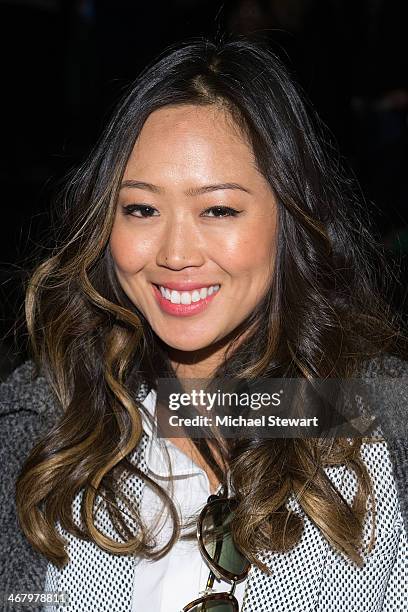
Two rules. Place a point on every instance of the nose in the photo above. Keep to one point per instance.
(180, 245)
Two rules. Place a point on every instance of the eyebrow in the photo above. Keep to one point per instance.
(189, 192)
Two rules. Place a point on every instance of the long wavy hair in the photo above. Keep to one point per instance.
(324, 315)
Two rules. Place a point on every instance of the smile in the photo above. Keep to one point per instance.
(187, 297)
(184, 303)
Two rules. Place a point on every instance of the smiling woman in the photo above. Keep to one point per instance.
(208, 235)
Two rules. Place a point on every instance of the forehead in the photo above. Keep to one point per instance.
(191, 134)
(193, 118)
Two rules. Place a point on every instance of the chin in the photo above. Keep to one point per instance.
(188, 345)
(187, 342)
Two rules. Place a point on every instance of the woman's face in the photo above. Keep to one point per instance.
(169, 232)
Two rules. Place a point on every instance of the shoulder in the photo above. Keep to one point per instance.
(28, 409)
(385, 365)
(387, 376)
(27, 391)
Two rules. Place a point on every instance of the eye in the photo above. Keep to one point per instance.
(131, 209)
(226, 210)
(144, 211)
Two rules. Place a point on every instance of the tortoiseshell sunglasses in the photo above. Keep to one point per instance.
(221, 554)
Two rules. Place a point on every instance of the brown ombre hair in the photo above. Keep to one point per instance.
(324, 316)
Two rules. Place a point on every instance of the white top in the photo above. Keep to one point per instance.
(169, 584)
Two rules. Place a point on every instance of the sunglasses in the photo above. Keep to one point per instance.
(221, 554)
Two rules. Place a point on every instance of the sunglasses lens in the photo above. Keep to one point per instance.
(213, 606)
(218, 542)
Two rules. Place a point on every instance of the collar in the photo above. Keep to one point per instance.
(155, 454)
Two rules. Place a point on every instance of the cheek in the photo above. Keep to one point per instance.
(122, 250)
(251, 251)
(128, 253)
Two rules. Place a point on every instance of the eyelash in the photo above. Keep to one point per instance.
(131, 208)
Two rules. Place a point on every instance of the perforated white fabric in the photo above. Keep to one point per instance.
(313, 576)
(310, 577)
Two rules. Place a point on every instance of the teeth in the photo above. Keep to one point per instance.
(175, 297)
(186, 297)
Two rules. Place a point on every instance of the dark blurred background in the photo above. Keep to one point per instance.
(65, 65)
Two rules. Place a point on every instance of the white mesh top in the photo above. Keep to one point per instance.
(312, 576)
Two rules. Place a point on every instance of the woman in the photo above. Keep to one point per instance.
(208, 235)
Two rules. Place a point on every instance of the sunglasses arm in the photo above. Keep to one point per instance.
(209, 586)
(210, 583)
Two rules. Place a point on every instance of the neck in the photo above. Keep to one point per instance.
(204, 362)
(194, 364)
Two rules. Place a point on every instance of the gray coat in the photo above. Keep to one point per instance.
(28, 409)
